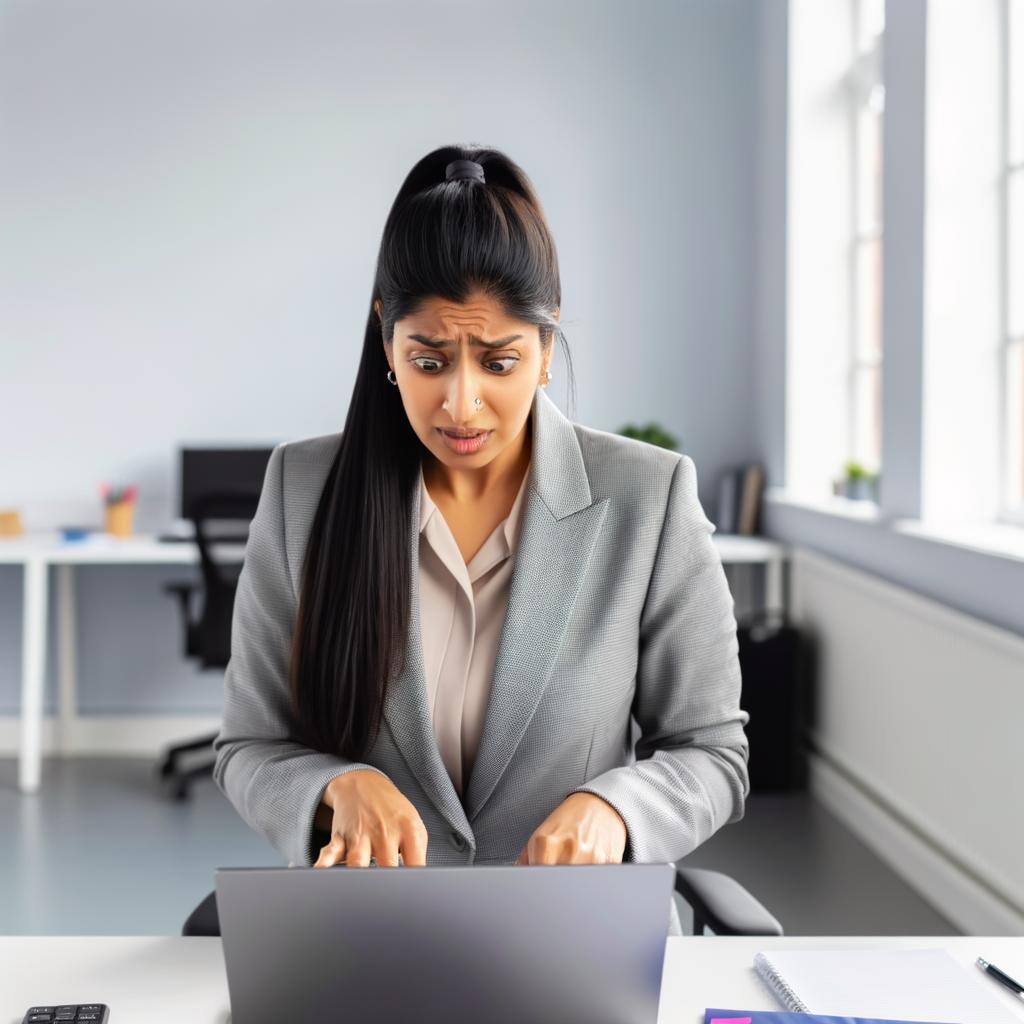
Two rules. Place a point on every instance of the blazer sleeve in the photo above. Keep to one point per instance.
(690, 776)
(274, 782)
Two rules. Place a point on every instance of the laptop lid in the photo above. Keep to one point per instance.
(498, 944)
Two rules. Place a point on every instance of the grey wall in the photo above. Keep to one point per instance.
(192, 196)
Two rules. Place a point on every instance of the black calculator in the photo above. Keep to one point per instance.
(95, 1013)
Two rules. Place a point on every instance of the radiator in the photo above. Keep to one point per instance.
(918, 734)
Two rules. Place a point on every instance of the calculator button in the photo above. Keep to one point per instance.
(91, 1007)
(89, 1016)
(68, 1014)
(40, 1017)
(67, 1009)
(40, 1009)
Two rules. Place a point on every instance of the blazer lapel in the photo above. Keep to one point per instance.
(560, 527)
(405, 704)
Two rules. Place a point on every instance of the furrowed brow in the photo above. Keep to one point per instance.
(445, 342)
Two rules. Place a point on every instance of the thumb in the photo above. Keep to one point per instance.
(524, 857)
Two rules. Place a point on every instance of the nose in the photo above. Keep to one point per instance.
(463, 390)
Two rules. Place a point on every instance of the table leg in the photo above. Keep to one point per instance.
(774, 585)
(67, 656)
(33, 673)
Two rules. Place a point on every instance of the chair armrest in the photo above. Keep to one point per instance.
(721, 903)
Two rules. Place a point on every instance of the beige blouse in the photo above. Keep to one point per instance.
(462, 611)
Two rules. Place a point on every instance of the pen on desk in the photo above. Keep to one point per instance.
(1003, 979)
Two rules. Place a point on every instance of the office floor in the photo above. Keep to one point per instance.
(101, 851)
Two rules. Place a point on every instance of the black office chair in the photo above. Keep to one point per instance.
(207, 636)
(717, 901)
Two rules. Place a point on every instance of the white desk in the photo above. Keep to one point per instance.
(37, 552)
(164, 980)
(739, 550)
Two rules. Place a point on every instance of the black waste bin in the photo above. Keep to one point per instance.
(775, 662)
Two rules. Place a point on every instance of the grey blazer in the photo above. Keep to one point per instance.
(618, 610)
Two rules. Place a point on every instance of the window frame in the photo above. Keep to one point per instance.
(865, 76)
(1011, 503)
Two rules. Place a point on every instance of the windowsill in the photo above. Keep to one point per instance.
(986, 538)
(994, 539)
(862, 511)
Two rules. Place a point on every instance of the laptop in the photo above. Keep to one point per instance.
(538, 944)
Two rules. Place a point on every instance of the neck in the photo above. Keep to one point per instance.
(468, 486)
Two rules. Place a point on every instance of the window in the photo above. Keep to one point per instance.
(1013, 253)
(833, 245)
(867, 94)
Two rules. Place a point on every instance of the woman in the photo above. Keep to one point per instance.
(439, 646)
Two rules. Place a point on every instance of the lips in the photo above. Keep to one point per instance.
(463, 445)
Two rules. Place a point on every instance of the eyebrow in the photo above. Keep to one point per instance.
(443, 342)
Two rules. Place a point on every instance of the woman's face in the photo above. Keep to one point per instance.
(442, 365)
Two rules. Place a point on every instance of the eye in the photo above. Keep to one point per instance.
(427, 359)
(506, 359)
(431, 362)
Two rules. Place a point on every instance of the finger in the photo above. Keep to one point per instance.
(562, 849)
(524, 857)
(573, 851)
(566, 852)
(385, 850)
(414, 844)
(332, 853)
(360, 850)
(543, 850)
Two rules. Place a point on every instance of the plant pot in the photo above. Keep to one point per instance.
(859, 490)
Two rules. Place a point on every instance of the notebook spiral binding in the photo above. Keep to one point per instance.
(767, 973)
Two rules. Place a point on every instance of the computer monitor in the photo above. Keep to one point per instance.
(220, 471)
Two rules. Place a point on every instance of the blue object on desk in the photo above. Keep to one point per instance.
(73, 533)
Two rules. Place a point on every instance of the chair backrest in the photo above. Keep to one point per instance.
(220, 579)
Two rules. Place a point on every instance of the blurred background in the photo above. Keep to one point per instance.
(791, 237)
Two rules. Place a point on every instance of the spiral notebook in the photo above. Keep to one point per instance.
(904, 984)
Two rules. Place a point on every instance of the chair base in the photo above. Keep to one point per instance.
(179, 779)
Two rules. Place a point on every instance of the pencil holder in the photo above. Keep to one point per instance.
(10, 523)
(119, 518)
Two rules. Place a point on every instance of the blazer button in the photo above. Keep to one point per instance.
(457, 841)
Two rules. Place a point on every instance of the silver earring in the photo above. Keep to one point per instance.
(391, 377)
(547, 378)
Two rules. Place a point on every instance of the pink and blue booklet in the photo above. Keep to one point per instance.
(786, 1017)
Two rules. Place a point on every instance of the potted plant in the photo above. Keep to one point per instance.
(859, 483)
(652, 433)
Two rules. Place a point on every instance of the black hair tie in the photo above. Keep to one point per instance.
(464, 169)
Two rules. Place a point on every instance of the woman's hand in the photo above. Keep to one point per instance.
(583, 829)
(371, 818)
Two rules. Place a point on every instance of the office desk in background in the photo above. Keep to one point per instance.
(37, 552)
(160, 980)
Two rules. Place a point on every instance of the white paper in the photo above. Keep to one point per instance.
(901, 984)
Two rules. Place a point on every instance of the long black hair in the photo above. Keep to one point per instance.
(446, 239)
